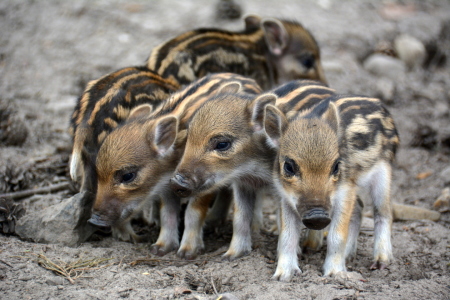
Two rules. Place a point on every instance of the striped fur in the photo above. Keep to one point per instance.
(104, 105)
(325, 154)
(233, 150)
(270, 51)
(137, 159)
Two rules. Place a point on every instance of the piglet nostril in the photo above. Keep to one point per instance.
(316, 219)
(180, 186)
(97, 222)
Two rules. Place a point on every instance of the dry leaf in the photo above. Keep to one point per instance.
(423, 175)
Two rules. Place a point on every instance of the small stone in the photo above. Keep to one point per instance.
(58, 281)
(385, 89)
(410, 50)
(226, 280)
(241, 278)
(63, 223)
(385, 66)
(443, 201)
(445, 174)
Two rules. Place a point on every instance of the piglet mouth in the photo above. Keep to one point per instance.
(181, 186)
(184, 186)
(99, 223)
(316, 219)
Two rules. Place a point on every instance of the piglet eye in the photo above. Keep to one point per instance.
(289, 168)
(307, 61)
(128, 177)
(335, 170)
(222, 146)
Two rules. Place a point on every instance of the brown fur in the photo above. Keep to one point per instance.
(324, 154)
(147, 149)
(271, 51)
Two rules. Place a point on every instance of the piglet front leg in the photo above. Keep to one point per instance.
(241, 242)
(194, 218)
(168, 235)
(288, 242)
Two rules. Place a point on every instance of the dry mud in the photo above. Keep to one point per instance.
(50, 49)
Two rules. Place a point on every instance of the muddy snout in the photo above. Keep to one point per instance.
(316, 219)
(98, 222)
(181, 186)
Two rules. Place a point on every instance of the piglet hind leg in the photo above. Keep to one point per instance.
(125, 232)
(337, 239)
(379, 185)
(241, 242)
(194, 218)
(288, 240)
(218, 213)
(313, 240)
(354, 229)
(168, 235)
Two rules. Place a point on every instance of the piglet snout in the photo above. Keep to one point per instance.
(98, 222)
(180, 186)
(316, 219)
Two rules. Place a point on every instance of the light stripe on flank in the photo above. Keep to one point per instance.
(84, 101)
(102, 136)
(344, 100)
(203, 91)
(121, 112)
(294, 93)
(174, 52)
(111, 123)
(305, 101)
(111, 92)
(153, 59)
(224, 57)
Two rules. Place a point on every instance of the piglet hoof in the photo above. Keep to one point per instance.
(378, 266)
(286, 276)
(189, 254)
(231, 255)
(160, 250)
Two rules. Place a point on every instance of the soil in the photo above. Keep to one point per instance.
(50, 49)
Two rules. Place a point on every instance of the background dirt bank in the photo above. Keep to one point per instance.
(50, 49)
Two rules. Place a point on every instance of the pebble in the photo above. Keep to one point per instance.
(385, 89)
(55, 281)
(410, 50)
(226, 280)
(385, 66)
(445, 174)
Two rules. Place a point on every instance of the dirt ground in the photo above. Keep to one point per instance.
(50, 49)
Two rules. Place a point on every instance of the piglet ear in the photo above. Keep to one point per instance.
(275, 123)
(164, 134)
(275, 35)
(233, 87)
(257, 109)
(252, 22)
(140, 111)
(331, 116)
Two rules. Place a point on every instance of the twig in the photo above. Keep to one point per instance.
(44, 190)
(1, 260)
(214, 286)
(165, 260)
(71, 271)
